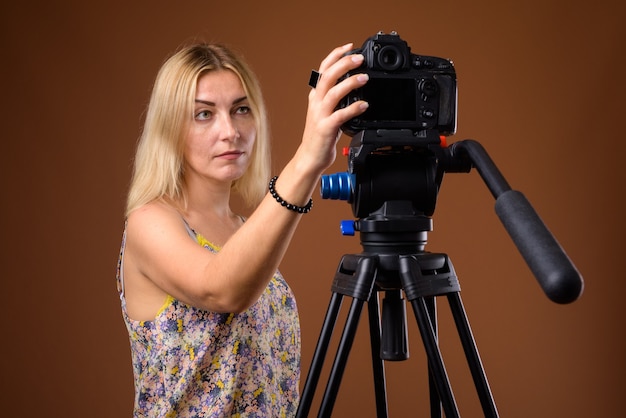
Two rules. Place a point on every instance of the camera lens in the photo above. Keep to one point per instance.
(389, 58)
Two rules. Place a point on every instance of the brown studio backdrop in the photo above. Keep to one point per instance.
(538, 87)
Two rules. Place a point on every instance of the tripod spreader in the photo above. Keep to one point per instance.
(423, 276)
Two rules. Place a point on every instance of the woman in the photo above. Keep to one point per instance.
(213, 326)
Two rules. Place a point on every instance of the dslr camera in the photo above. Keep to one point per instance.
(404, 91)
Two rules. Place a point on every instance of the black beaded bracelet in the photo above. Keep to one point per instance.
(283, 202)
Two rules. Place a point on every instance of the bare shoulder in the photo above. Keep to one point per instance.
(153, 215)
(157, 251)
(154, 231)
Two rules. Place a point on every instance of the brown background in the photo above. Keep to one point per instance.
(541, 84)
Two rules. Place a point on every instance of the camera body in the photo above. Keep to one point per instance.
(404, 91)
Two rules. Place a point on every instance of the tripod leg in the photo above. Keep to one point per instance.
(319, 356)
(435, 400)
(435, 360)
(412, 281)
(355, 277)
(345, 344)
(471, 353)
(377, 361)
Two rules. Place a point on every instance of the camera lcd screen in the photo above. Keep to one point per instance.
(390, 99)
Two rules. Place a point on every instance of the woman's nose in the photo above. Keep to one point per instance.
(228, 128)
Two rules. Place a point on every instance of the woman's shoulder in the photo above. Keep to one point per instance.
(155, 214)
(155, 209)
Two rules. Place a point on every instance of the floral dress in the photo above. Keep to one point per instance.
(189, 362)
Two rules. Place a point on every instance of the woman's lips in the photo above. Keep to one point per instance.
(230, 155)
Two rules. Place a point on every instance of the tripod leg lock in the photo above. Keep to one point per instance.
(355, 276)
(426, 275)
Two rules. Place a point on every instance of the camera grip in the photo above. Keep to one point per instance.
(557, 275)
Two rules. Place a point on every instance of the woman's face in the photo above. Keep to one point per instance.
(219, 143)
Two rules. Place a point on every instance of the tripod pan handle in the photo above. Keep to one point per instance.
(555, 272)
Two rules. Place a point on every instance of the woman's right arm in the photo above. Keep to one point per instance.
(234, 278)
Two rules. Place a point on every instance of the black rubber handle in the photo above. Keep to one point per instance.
(555, 272)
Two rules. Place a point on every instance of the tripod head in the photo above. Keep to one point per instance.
(392, 183)
(390, 165)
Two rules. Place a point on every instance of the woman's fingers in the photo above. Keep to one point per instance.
(328, 92)
(344, 114)
(332, 73)
(340, 90)
(334, 56)
(325, 104)
(324, 118)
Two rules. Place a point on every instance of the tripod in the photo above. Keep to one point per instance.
(393, 261)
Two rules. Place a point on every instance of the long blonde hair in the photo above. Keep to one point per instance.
(159, 161)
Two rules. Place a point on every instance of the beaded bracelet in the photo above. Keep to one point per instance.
(275, 195)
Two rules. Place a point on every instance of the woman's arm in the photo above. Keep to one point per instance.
(233, 279)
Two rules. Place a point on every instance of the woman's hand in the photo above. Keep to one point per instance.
(323, 121)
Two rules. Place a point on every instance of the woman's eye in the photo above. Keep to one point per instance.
(244, 110)
(203, 115)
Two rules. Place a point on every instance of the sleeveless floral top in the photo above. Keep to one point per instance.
(189, 362)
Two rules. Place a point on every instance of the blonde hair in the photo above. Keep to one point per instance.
(159, 161)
